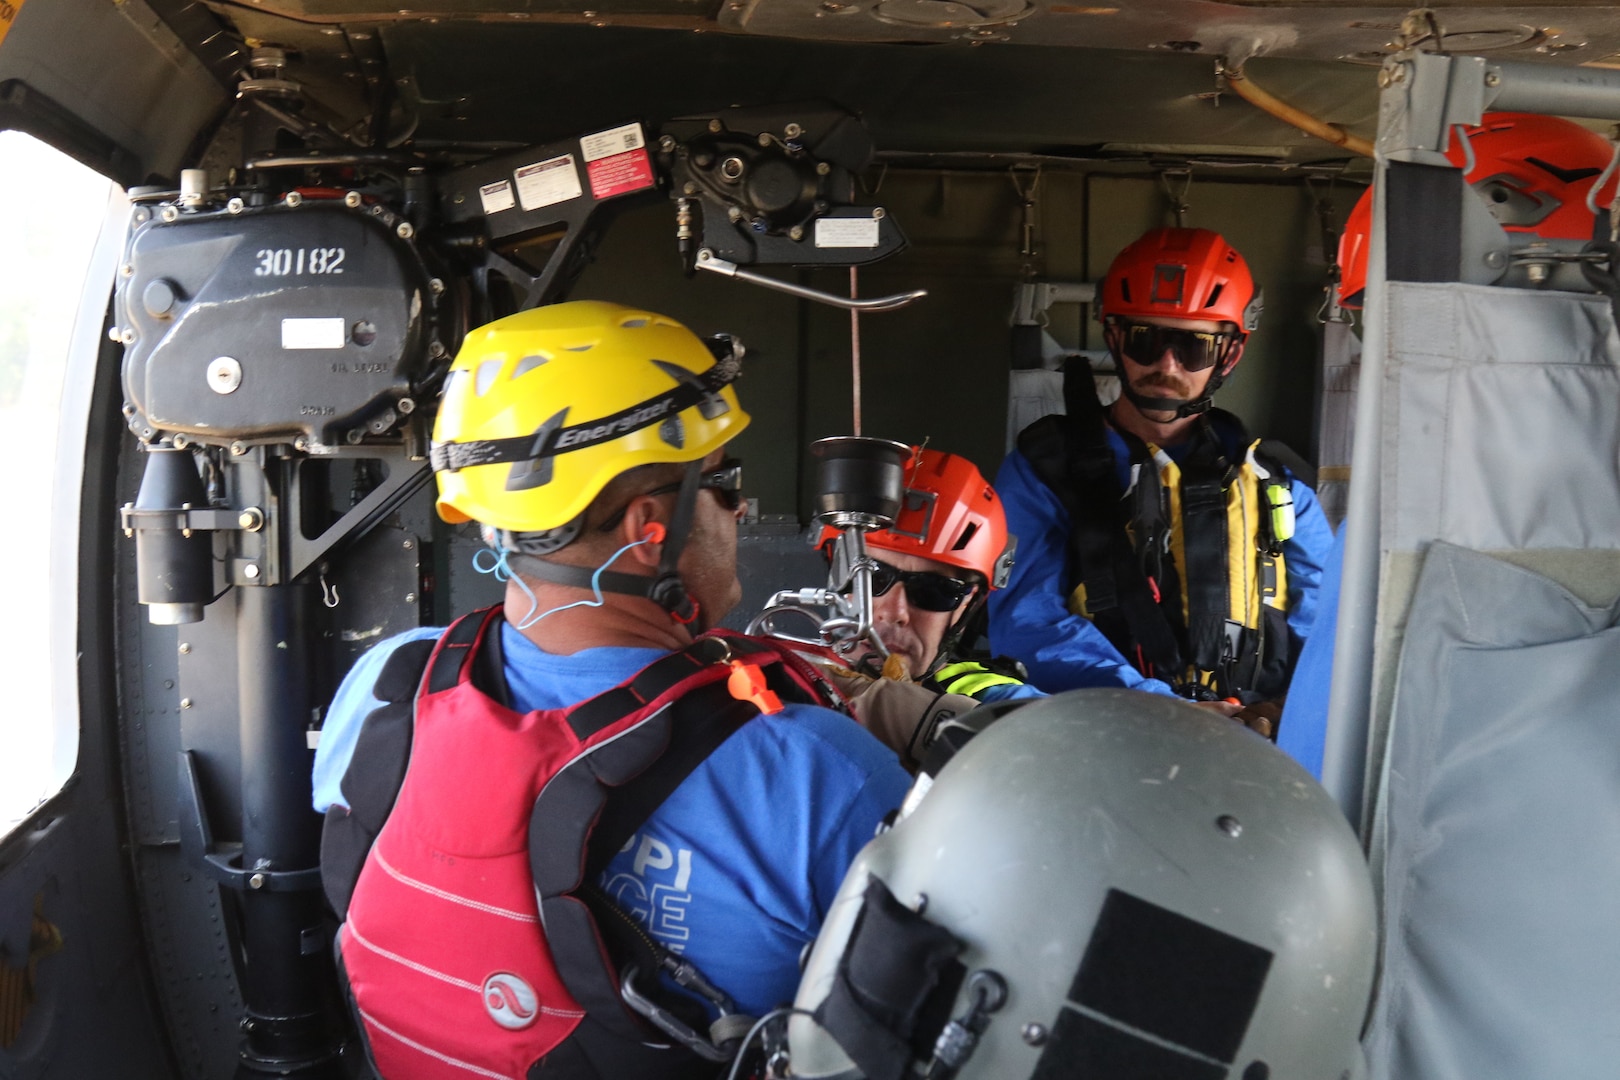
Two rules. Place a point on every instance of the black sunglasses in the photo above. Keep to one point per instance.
(725, 480)
(1194, 350)
(925, 589)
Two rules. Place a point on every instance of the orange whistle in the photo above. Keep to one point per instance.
(747, 683)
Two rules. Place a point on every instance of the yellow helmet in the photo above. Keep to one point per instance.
(541, 409)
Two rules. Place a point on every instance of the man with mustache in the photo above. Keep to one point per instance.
(1160, 546)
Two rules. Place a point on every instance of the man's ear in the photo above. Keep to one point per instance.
(1235, 355)
(642, 526)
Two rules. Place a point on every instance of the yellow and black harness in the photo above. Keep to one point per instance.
(1183, 572)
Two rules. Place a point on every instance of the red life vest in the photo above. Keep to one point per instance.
(467, 949)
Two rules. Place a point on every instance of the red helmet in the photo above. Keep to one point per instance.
(950, 514)
(1182, 274)
(1533, 172)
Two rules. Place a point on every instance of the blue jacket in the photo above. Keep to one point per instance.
(737, 868)
(1030, 618)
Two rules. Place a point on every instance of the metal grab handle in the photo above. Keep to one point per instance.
(708, 260)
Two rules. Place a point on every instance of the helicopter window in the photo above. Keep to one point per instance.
(50, 334)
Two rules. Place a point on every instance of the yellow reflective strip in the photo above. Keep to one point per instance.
(961, 667)
(970, 685)
(1170, 481)
(1242, 530)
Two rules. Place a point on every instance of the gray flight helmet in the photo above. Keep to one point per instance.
(1104, 883)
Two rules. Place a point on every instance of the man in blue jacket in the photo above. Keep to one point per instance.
(1160, 547)
(587, 440)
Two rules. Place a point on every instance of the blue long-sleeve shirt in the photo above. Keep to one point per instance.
(1030, 618)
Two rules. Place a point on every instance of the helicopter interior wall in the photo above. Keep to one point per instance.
(937, 370)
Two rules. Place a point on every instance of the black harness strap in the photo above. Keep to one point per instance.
(1072, 457)
(1205, 476)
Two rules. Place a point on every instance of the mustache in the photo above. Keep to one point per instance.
(1159, 381)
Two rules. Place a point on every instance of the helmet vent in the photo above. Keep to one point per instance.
(673, 432)
(528, 364)
(587, 347)
(966, 538)
(634, 324)
(488, 372)
(1215, 294)
(1125, 288)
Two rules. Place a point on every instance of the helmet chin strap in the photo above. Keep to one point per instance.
(665, 588)
(1181, 407)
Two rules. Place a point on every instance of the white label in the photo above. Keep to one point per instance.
(497, 197)
(312, 739)
(547, 182)
(314, 333)
(607, 143)
(846, 232)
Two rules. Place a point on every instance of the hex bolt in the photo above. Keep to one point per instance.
(294, 199)
(238, 449)
(406, 230)
(169, 213)
(251, 571)
(878, 213)
(796, 233)
(406, 406)
(235, 206)
(1034, 1034)
(251, 519)
(1229, 825)
(258, 881)
(351, 199)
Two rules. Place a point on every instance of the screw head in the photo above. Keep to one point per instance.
(1229, 825)
(294, 199)
(185, 648)
(235, 206)
(351, 199)
(715, 126)
(185, 703)
(410, 598)
(410, 545)
(1034, 1034)
(257, 881)
(1493, 78)
(796, 233)
(251, 571)
(406, 230)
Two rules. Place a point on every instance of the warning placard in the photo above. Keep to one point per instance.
(546, 183)
(620, 173)
(497, 197)
(8, 12)
(611, 142)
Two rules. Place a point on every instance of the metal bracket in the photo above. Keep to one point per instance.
(1425, 96)
(708, 260)
(222, 861)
